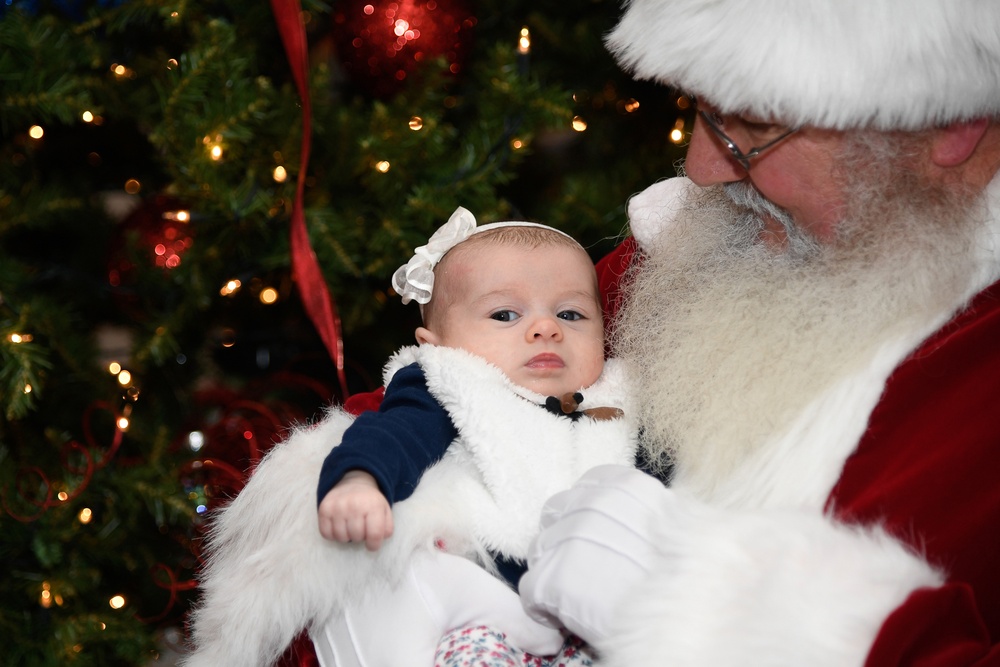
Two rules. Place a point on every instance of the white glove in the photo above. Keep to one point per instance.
(439, 592)
(593, 548)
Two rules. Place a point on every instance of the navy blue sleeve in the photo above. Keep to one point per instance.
(408, 434)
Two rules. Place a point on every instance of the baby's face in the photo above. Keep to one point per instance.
(534, 313)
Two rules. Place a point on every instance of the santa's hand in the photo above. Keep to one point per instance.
(355, 510)
(593, 548)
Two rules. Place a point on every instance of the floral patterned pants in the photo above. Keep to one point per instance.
(482, 647)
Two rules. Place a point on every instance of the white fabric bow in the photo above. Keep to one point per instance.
(414, 281)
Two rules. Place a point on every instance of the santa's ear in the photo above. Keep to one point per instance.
(954, 143)
(424, 335)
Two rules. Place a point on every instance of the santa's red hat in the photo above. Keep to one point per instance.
(887, 64)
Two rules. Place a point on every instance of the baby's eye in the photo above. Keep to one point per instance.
(570, 315)
(504, 316)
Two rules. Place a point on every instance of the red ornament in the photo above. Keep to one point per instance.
(381, 43)
(160, 228)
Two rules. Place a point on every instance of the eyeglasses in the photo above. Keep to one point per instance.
(715, 121)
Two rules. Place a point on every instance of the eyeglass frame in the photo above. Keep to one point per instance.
(741, 157)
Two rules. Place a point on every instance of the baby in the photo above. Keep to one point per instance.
(506, 401)
(522, 299)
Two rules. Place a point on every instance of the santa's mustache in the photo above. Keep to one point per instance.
(753, 210)
(746, 196)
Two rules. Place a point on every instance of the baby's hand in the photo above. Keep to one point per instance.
(355, 510)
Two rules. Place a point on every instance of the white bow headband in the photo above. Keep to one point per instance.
(414, 281)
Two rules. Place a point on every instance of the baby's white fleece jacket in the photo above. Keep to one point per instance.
(270, 575)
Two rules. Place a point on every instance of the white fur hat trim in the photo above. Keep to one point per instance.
(886, 64)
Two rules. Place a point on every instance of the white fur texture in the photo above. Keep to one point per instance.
(890, 64)
(652, 211)
(719, 599)
(271, 575)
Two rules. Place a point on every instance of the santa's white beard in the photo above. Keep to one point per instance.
(729, 339)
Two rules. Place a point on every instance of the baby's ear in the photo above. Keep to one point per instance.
(424, 335)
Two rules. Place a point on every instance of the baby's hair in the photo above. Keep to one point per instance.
(520, 236)
(527, 237)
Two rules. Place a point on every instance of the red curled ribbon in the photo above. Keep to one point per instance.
(313, 290)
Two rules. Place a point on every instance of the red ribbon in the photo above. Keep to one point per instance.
(305, 268)
(313, 290)
(27, 489)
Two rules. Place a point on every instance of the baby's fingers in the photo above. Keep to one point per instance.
(378, 528)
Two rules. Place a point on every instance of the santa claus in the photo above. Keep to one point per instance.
(813, 316)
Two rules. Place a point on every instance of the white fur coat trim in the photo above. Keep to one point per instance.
(271, 575)
(892, 64)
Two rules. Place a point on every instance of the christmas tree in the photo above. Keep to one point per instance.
(201, 204)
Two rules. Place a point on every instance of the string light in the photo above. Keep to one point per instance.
(579, 124)
(62, 496)
(122, 72)
(45, 599)
(36, 132)
(516, 144)
(196, 440)
(382, 166)
(27, 389)
(87, 117)
(677, 134)
(18, 338)
(85, 515)
(523, 51)
(280, 175)
(416, 123)
(117, 602)
(268, 295)
(124, 378)
(631, 105)
(123, 420)
(179, 216)
(132, 186)
(231, 287)
(214, 146)
(114, 368)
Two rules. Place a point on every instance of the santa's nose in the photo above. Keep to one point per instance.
(707, 161)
